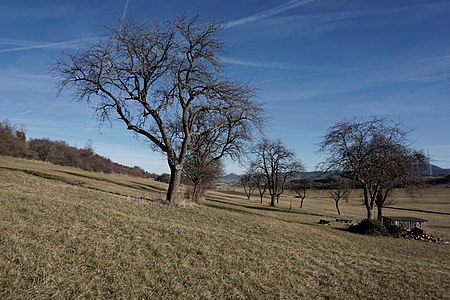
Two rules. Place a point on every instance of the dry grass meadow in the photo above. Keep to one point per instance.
(71, 234)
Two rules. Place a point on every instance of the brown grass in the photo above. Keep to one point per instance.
(70, 234)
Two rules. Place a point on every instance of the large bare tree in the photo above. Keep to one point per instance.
(375, 154)
(159, 81)
(277, 163)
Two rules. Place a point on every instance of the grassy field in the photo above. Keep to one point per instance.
(71, 234)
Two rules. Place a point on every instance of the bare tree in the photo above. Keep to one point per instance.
(232, 132)
(202, 171)
(340, 190)
(362, 150)
(300, 187)
(277, 163)
(395, 166)
(160, 80)
(261, 184)
(248, 183)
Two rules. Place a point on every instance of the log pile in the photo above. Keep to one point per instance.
(415, 234)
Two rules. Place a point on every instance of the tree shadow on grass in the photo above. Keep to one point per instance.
(259, 211)
(132, 184)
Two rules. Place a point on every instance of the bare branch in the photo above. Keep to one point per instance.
(166, 84)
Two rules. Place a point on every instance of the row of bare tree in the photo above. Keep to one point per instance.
(166, 84)
(338, 187)
(373, 154)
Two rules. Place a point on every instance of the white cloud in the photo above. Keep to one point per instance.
(124, 13)
(267, 13)
(257, 64)
(32, 46)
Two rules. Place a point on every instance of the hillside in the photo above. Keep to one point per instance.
(13, 142)
(437, 171)
(67, 233)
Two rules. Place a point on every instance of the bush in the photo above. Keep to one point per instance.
(369, 227)
(12, 140)
(163, 178)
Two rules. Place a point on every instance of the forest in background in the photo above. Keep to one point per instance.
(13, 142)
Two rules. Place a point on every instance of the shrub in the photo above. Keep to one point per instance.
(163, 178)
(369, 227)
(12, 140)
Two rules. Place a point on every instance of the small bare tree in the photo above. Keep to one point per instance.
(159, 81)
(300, 187)
(202, 171)
(261, 184)
(277, 163)
(340, 190)
(249, 184)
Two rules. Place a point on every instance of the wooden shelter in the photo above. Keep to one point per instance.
(405, 222)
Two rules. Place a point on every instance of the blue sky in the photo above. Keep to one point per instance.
(314, 63)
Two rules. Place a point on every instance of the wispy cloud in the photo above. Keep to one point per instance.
(283, 66)
(23, 79)
(257, 64)
(9, 42)
(27, 112)
(124, 13)
(267, 13)
(405, 81)
(313, 22)
(31, 46)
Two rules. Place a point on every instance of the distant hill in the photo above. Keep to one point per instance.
(231, 178)
(437, 171)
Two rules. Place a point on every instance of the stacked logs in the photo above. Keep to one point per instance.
(416, 234)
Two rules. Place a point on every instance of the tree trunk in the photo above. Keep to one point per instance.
(369, 213)
(174, 184)
(301, 202)
(272, 200)
(380, 213)
(198, 192)
(369, 208)
(337, 208)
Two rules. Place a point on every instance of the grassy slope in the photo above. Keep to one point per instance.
(70, 234)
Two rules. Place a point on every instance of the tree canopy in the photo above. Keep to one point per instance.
(277, 163)
(375, 154)
(166, 84)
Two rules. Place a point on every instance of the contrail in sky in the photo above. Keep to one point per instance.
(125, 10)
(47, 45)
(267, 13)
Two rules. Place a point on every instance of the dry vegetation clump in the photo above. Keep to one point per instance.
(369, 227)
(60, 240)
